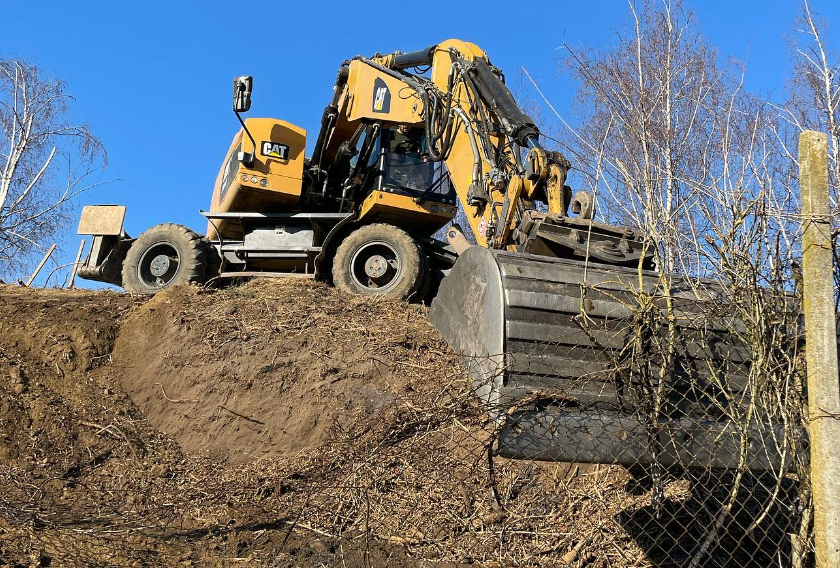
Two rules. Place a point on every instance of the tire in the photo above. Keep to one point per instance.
(214, 260)
(404, 275)
(165, 255)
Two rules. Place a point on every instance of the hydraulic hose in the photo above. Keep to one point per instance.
(445, 130)
(476, 173)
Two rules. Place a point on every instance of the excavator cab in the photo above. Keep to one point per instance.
(399, 164)
(405, 169)
(405, 163)
(404, 187)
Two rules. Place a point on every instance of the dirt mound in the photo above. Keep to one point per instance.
(71, 441)
(48, 340)
(130, 428)
(279, 423)
(270, 368)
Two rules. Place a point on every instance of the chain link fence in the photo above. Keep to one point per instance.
(672, 436)
(657, 426)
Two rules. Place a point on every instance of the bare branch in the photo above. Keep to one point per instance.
(35, 200)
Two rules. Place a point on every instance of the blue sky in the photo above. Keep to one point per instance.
(153, 79)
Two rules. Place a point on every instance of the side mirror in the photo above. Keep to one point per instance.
(242, 93)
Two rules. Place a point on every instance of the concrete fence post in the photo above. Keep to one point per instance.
(820, 347)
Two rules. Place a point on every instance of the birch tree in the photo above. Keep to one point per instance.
(45, 161)
(671, 143)
(813, 101)
(653, 101)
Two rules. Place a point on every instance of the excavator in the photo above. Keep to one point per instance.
(407, 140)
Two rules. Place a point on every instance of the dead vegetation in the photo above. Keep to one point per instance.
(274, 424)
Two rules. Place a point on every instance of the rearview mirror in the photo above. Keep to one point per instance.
(242, 86)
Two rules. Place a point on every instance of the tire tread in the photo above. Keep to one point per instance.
(194, 257)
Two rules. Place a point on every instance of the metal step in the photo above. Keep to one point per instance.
(265, 274)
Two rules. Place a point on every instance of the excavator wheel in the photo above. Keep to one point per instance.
(214, 260)
(381, 260)
(164, 256)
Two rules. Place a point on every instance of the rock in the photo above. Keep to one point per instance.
(18, 376)
(319, 546)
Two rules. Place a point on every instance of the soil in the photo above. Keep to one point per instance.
(270, 375)
(278, 423)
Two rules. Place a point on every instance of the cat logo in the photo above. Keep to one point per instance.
(275, 150)
(381, 96)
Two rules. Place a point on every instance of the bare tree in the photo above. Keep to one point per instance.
(669, 140)
(655, 99)
(45, 161)
(813, 101)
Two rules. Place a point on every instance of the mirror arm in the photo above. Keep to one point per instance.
(246, 158)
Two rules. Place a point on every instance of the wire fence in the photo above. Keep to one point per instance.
(674, 436)
(663, 428)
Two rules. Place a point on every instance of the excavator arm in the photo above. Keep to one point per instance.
(491, 149)
(475, 126)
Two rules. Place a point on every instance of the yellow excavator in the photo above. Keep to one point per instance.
(406, 140)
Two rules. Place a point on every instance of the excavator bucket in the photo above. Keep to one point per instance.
(557, 354)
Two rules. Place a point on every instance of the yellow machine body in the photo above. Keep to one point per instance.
(403, 211)
(273, 180)
(376, 95)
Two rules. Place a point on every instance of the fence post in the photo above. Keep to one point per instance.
(820, 347)
(76, 265)
(40, 266)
